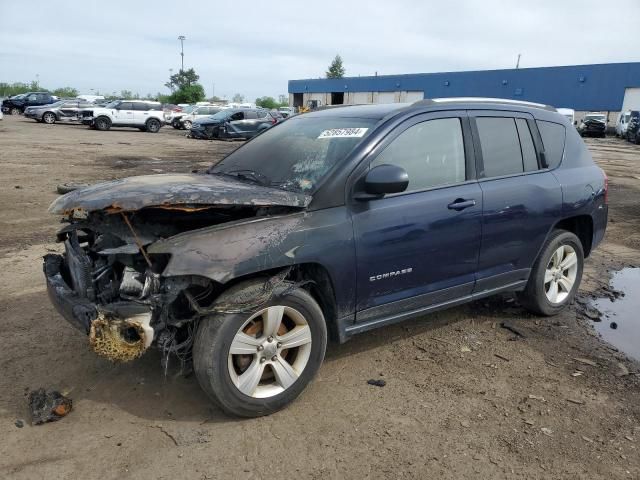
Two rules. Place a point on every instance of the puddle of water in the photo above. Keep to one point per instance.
(620, 325)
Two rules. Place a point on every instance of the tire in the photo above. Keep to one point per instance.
(153, 125)
(102, 123)
(186, 124)
(537, 297)
(175, 125)
(219, 373)
(15, 111)
(49, 118)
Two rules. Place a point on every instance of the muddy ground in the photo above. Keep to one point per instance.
(464, 397)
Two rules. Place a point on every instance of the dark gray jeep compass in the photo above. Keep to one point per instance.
(328, 224)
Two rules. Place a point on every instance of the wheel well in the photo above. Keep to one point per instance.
(321, 289)
(582, 227)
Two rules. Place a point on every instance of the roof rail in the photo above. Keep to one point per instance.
(500, 101)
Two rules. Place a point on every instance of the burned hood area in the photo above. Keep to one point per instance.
(108, 284)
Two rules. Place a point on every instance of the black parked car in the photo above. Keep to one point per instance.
(633, 128)
(62, 110)
(332, 222)
(593, 125)
(233, 123)
(16, 105)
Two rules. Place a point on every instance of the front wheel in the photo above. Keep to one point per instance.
(102, 123)
(555, 276)
(49, 118)
(153, 125)
(15, 111)
(187, 125)
(257, 363)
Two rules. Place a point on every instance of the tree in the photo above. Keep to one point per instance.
(336, 70)
(184, 78)
(126, 94)
(238, 98)
(68, 92)
(267, 102)
(188, 94)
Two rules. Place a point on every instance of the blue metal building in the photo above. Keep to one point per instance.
(599, 87)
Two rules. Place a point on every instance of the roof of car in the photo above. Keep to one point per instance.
(384, 109)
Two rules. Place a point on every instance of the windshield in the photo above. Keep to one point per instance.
(298, 153)
(188, 109)
(221, 115)
(599, 118)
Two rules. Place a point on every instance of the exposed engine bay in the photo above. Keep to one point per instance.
(108, 285)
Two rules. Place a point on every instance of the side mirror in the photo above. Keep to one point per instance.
(386, 179)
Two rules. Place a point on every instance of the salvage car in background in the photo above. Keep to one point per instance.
(199, 112)
(593, 125)
(62, 110)
(233, 123)
(337, 221)
(141, 114)
(17, 104)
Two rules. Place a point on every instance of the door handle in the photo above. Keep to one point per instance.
(460, 204)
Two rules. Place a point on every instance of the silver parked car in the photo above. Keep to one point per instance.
(62, 110)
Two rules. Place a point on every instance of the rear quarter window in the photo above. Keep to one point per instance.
(553, 138)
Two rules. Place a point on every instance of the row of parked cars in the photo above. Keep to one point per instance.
(203, 121)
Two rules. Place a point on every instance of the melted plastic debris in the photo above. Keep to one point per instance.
(48, 406)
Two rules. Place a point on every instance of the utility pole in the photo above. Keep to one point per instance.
(37, 81)
(182, 38)
(518, 62)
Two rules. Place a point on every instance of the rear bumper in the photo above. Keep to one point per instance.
(78, 311)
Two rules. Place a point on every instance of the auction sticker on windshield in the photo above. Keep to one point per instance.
(343, 133)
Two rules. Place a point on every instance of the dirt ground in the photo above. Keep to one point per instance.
(464, 397)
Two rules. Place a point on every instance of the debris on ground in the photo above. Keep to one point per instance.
(586, 361)
(623, 371)
(70, 187)
(547, 431)
(48, 406)
(376, 382)
(512, 328)
(501, 357)
(19, 423)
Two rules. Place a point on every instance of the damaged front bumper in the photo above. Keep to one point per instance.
(120, 331)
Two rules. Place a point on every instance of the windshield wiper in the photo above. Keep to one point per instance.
(250, 175)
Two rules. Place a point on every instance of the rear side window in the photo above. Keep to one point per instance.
(143, 107)
(501, 153)
(250, 114)
(529, 157)
(431, 152)
(553, 140)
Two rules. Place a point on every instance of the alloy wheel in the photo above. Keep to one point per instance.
(269, 352)
(560, 274)
(49, 118)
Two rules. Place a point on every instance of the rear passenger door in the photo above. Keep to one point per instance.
(140, 112)
(521, 199)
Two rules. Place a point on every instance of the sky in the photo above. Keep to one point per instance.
(255, 47)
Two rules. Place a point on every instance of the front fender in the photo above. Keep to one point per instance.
(236, 249)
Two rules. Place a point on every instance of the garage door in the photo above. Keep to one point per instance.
(631, 99)
(414, 96)
(386, 97)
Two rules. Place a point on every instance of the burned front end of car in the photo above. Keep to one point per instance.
(106, 282)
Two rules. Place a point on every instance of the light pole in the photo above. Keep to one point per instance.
(37, 81)
(182, 38)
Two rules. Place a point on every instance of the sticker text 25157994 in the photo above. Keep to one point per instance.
(343, 133)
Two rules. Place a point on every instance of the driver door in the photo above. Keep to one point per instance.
(125, 113)
(420, 247)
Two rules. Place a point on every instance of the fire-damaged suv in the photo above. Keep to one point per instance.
(333, 222)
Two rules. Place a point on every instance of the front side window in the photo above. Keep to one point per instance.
(125, 106)
(237, 116)
(431, 152)
(500, 146)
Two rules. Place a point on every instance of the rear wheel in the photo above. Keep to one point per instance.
(49, 118)
(15, 111)
(153, 125)
(257, 363)
(102, 123)
(555, 276)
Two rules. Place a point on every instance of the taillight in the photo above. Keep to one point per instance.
(273, 120)
(606, 187)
